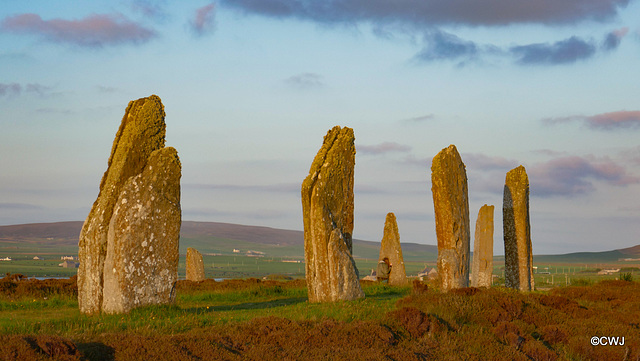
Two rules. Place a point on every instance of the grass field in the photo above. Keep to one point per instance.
(268, 320)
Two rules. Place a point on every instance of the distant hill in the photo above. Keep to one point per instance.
(207, 237)
(222, 238)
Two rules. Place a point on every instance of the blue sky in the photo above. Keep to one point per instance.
(250, 88)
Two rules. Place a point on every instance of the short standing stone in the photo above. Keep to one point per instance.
(141, 266)
(141, 132)
(390, 248)
(518, 256)
(451, 205)
(195, 265)
(327, 207)
(482, 267)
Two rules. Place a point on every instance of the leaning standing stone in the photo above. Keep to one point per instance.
(195, 265)
(141, 266)
(518, 257)
(451, 205)
(390, 247)
(327, 207)
(482, 268)
(141, 132)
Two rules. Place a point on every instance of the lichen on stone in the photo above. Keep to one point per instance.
(137, 147)
(327, 206)
(451, 206)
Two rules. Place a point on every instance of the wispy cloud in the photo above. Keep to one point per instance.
(153, 9)
(19, 206)
(92, 31)
(484, 162)
(254, 214)
(203, 21)
(420, 119)
(8, 89)
(284, 187)
(305, 81)
(383, 148)
(440, 45)
(613, 39)
(106, 89)
(606, 121)
(14, 89)
(561, 52)
(429, 13)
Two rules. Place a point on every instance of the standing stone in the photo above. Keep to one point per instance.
(141, 133)
(327, 207)
(141, 266)
(518, 257)
(195, 265)
(390, 247)
(482, 267)
(451, 205)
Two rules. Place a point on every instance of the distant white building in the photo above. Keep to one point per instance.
(65, 258)
(69, 264)
(428, 273)
(37, 258)
(609, 271)
(236, 250)
(5, 259)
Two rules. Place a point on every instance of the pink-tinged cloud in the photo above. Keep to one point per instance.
(383, 148)
(614, 120)
(204, 20)
(606, 121)
(573, 175)
(91, 31)
(613, 39)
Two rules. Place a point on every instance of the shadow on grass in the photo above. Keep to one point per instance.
(96, 351)
(248, 305)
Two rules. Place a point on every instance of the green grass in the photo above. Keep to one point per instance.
(59, 315)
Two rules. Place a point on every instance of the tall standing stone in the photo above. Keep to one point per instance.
(451, 205)
(195, 265)
(141, 133)
(327, 207)
(141, 266)
(390, 247)
(482, 267)
(518, 256)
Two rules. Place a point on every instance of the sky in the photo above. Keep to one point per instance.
(250, 88)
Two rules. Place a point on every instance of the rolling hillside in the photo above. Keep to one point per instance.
(222, 238)
(207, 237)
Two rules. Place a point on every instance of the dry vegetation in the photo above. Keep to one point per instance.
(417, 324)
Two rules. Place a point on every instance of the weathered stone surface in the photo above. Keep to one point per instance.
(327, 207)
(345, 282)
(482, 267)
(451, 205)
(141, 132)
(195, 265)
(390, 247)
(141, 266)
(518, 256)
